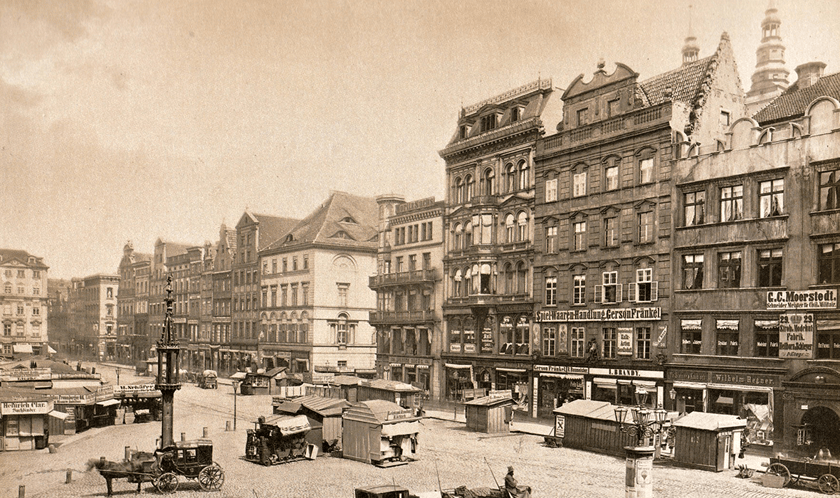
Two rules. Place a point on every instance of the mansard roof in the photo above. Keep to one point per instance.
(22, 257)
(791, 104)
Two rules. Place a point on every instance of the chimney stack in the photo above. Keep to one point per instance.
(809, 73)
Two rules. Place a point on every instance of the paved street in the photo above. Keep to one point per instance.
(448, 453)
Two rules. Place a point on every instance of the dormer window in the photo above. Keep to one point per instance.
(464, 131)
(348, 219)
(516, 113)
(488, 123)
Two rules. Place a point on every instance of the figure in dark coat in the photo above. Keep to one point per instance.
(512, 487)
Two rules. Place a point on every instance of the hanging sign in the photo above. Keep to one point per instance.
(625, 341)
(796, 335)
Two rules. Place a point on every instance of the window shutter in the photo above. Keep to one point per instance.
(618, 293)
(632, 291)
(598, 294)
(654, 290)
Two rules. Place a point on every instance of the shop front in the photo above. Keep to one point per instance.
(620, 386)
(137, 403)
(459, 380)
(556, 385)
(85, 406)
(23, 422)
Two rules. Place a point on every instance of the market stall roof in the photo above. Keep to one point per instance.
(50, 350)
(346, 380)
(58, 414)
(239, 375)
(209, 373)
(491, 401)
(108, 402)
(22, 348)
(378, 411)
(289, 425)
(391, 385)
(587, 408)
(710, 421)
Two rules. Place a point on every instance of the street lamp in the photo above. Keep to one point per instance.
(644, 424)
(235, 385)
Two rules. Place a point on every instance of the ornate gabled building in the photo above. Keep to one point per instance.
(770, 78)
(23, 303)
(315, 300)
(602, 276)
(489, 232)
(409, 290)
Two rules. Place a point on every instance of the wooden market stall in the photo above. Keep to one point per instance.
(489, 414)
(24, 420)
(590, 425)
(322, 412)
(139, 402)
(400, 393)
(708, 441)
(380, 432)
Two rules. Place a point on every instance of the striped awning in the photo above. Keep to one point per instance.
(691, 324)
(726, 324)
(767, 324)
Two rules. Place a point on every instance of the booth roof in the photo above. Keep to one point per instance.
(588, 408)
(319, 404)
(491, 401)
(710, 421)
(391, 385)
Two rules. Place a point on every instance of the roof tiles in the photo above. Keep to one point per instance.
(792, 102)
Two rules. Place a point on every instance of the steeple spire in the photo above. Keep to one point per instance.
(691, 49)
(771, 76)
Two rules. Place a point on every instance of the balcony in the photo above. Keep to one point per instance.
(489, 300)
(397, 317)
(402, 278)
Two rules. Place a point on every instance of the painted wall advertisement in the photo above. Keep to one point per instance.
(625, 341)
(807, 299)
(796, 335)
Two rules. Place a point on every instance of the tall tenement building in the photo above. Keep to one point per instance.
(409, 292)
(489, 254)
(93, 304)
(133, 342)
(23, 303)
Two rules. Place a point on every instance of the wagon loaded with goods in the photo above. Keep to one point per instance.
(279, 439)
(825, 472)
(187, 459)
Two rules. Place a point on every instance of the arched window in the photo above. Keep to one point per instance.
(476, 280)
(523, 175)
(459, 191)
(521, 278)
(470, 188)
(510, 178)
(459, 235)
(509, 289)
(487, 182)
(341, 330)
(468, 234)
(510, 228)
(522, 226)
(456, 283)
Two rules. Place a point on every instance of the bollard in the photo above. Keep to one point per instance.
(205, 432)
(128, 453)
(21, 491)
(69, 477)
(52, 448)
(183, 436)
(227, 425)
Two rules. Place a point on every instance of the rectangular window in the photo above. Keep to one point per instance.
(830, 189)
(36, 273)
(691, 336)
(724, 118)
(770, 267)
(645, 227)
(273, 297)
(643, 343)
(549, 341)
(274, 265)
(612, 107)
(577, 338)
(342, 294)
(610, 288)
(284, 295)
(608, 342)
(551, 190)
(694, 208)
(285, 265)
(644, 290)
(21, 273)
(732, 203)
(727, 337)
(551, 240)
(580, 236)
(581, 116)
(828, 344)
(729, 270)
(828, 260)
(400, 267)
(692, 271)
(412, 262)
(427, 261)
(7, 329)
(611, 232)
(579, 184)
(646, 170)
(551, 291)
(305, 261)
(771, 198)
(579, 290)
(611, 174)
(767, 338)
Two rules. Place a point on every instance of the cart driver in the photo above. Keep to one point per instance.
(513, 489)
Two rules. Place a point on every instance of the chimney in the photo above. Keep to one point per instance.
(809, 73)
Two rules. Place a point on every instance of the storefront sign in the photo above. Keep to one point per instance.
(25, 407)
(810, 299)
(661, 338)
(134, 388)
(487, 340)
(21, 374)
(796, 335)
(625, 341)
(744, 379)
(688, 375)
(560, 369)
(628, 372)
(599, 315)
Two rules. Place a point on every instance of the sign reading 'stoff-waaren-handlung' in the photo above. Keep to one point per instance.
(599, 315)
(809, 299)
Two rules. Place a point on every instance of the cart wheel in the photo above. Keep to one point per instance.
(779, 469)
(211, 478)
(828, 484)
(166, 483)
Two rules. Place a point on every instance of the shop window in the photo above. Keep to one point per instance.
(469, 335)
(608, 339)
(691, 336)
(828, 261)
(692, 271)
(729, 269)
(727, 337)
(549, 341)
(506, 335)
(455, 336)
(579, 290)
(732, 203)
(694, 205)
(771, 198)
(523, 336)
(722, 401)
(830, 189)
(604, 390)
(643, 343)
(767, 338)
(828, 344)
(770, 267)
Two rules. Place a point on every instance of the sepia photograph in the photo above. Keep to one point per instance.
(420, 249)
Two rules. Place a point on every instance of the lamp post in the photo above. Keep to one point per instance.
(235, 385)
(644, 424)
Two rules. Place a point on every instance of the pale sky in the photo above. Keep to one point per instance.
(133, 120)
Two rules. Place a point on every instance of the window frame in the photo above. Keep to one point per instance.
(829, 188)
(551, 290)
(729, 201)
(693, 260)
(579, 235)
(579, 184)
(644, 231)
(775, 198)
(578, 290)
(730, 269)
(692, 201)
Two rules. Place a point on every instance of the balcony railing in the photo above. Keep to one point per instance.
(490, 299)
(404, 277)
(388, 317)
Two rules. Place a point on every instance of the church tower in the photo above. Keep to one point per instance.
(770, 78)
(691, 49)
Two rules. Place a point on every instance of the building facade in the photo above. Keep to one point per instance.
(758, 270)
(58, 314)
(23, 303)
(132, 302)
(222, 276)
(489, 223)
(94, 307)
(313, 292)
(409, 292)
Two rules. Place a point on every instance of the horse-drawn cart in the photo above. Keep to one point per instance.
(189, 459)
(826, 473)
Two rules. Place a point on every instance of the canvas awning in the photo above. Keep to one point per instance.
(690, 324)
(108, 402)
(454, 365)
(238, 376)
(50, 350)
(59, 415)
(726, 324)
(400, 429)
(293, 425)
(22, 348)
